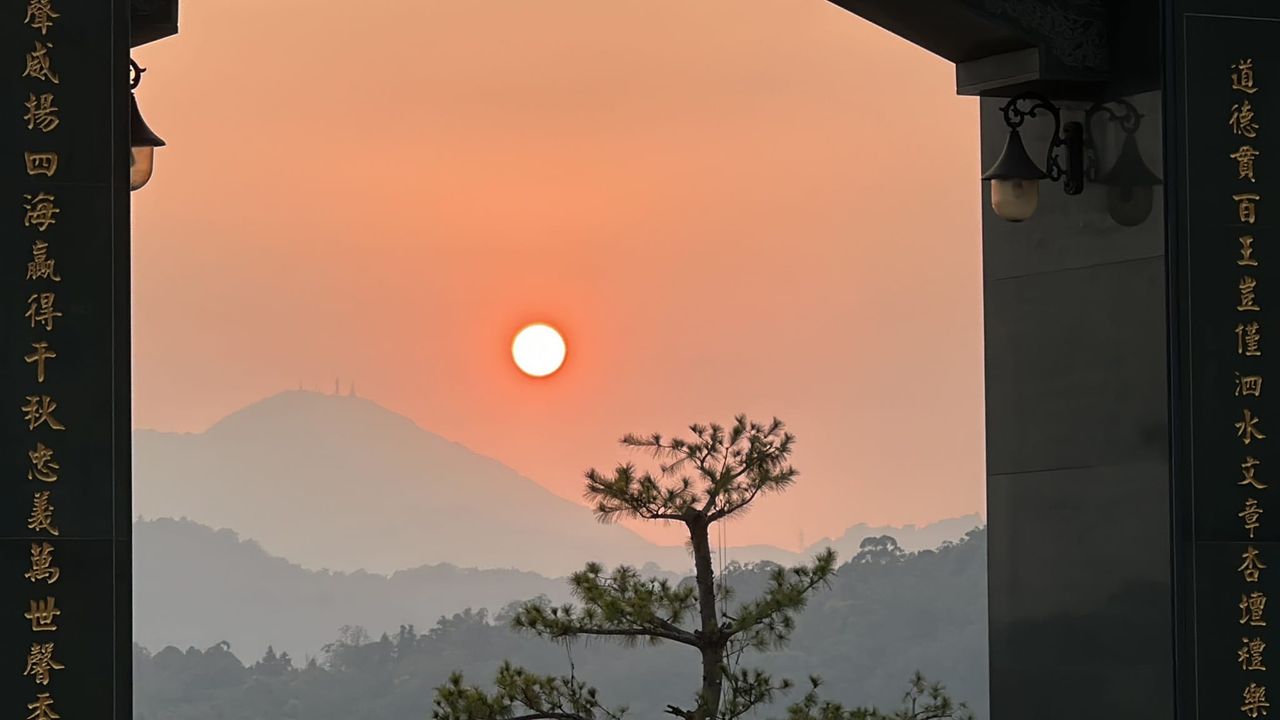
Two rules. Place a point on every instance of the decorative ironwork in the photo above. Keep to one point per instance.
(1124, 114)
(1068, 137)
(135, 74)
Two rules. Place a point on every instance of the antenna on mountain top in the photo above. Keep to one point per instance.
(351, 390)
(336, 389)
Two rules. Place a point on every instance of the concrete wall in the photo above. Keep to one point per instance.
(1078, 469)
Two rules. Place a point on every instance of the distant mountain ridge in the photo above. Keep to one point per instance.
(184, 572)
(340, 482)
(195, 586)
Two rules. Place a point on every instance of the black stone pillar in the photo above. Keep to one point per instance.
(65, 634)
(1223, 95)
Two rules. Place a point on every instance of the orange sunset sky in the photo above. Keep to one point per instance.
(761, 206)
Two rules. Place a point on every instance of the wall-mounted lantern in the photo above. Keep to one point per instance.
(1015, 181)
(1015, 178)
(1130, 182)
(142, 140)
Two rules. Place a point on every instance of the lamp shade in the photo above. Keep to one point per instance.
(143, 142)
(1015, 181)
(1014, 162)
(1130, 170)
(1130, 186)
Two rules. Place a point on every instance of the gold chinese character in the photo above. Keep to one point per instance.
(40, 16)
(40, 211)
(42, 567)
(41, 266)
(1251, 609)
(1255, 701)
(41, 163)
(1246, 251)
(1247, 207)
(38, 65)
(1250, 654)
(1249, 339)
(41, 112)
(1248, 468)
(43, 467)
(42, 708)
(1244, 160)
(1248, 294)
(41, 514)
(1242, 79)
(38, 357)
(1250, 657)
(1251, 514)
(1252, 567)
(1242, 122)
(1247, 429)
(41, 615)
(41, 310)
(40, 662)
(39, 411)
(1248, 385)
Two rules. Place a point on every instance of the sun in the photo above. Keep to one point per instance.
(538, 350)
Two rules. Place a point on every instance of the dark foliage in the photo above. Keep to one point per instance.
(886, 614)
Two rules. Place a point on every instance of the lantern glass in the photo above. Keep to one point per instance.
(141, 164)
(1130, 205)
(1015, 199)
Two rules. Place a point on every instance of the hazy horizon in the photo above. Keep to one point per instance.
(809, 543)
(322, 469)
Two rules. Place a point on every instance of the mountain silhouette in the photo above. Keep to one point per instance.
(196, 586)
(340, 482)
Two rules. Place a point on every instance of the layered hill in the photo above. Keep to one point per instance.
(884, 615)
(195, 586)
(340, 482)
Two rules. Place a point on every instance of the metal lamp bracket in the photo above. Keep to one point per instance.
(1064, 160)
(1124, 114)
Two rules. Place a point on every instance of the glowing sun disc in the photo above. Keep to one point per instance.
(538, 350)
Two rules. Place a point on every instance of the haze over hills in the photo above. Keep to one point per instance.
(884, 615)
(340, 482)
(195, 586)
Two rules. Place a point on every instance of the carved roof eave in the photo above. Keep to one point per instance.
(1001, 47)
(151, 20)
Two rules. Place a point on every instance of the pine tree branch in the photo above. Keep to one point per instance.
(748, 689)
(626, 494)
(769, 620)
(923, 701)
(679, 712)
(521, 695)
(622, 605)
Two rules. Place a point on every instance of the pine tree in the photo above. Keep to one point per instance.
(709, 478)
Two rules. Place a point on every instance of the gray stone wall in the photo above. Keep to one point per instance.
(1078, 470)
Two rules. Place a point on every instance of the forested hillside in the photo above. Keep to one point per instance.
(886, 614)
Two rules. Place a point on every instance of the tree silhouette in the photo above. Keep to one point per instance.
(700, 481)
